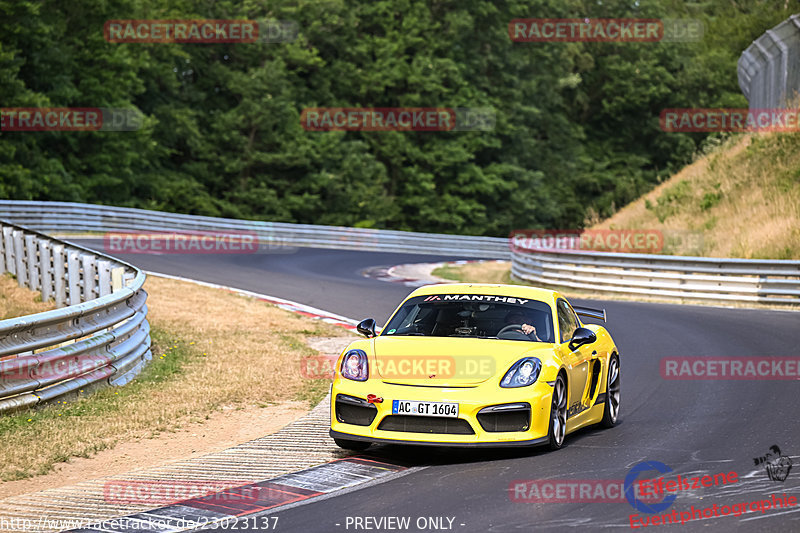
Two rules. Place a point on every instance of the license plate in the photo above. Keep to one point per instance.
(408, 407)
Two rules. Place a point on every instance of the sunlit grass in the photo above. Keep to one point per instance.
(743, 197)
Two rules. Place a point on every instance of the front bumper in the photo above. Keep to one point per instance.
(370, 425)
(533, 442)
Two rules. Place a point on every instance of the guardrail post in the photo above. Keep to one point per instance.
(8, 244)
(46, 269)
(59, 275)
(2, 252)
(73, 277)
(117, 275)
(19, 258)
(90, 291)
(104, 277)
(31, 245)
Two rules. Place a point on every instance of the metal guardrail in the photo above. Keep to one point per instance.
(102, 337)
(666, 276)
(67, 217)
(769, 69)
(691, 278)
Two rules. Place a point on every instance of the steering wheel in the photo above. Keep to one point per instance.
(510, 327)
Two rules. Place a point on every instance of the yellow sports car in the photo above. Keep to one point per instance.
(476, 365)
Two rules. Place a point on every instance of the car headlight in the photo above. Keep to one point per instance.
(355, 365)
(522, 373)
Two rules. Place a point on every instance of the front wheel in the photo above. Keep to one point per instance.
(558, 413)
(611, 410)
(353, 445)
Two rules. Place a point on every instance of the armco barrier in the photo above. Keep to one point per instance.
(72, 217)
(665, 276)
(672, 277)
(769, 69)
(102, 337)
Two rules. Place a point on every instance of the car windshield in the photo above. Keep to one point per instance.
(473, 315)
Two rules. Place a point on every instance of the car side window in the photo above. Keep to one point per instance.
(567, 321)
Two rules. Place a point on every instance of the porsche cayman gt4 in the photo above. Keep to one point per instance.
(476, 365)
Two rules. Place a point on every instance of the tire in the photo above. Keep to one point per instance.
(558, 414)
(611, 409)
(353, 445)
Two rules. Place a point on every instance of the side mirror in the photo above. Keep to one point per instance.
(367, 327)
(580, 337)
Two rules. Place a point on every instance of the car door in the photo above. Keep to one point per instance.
(577, 361)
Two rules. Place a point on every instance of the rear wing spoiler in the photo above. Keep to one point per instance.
(588, 312)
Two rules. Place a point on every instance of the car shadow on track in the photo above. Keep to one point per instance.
(410, 455)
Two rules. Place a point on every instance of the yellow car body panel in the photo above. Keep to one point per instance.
(479, 388)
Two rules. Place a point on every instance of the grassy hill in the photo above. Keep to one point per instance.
(743, 198)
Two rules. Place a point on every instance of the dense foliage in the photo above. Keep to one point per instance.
(577, 132)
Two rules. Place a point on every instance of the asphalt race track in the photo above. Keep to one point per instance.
(694, 427)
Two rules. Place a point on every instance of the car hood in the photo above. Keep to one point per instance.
(446, 361)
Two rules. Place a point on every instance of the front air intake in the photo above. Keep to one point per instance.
(426, 424)
(502, 418)
(356, 411)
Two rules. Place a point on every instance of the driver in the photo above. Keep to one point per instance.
(516, 316)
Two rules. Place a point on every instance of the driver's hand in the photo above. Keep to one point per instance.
(527, 329)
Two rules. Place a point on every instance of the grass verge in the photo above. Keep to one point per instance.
(211, 350)
(743, 198)
(483, 272)
(17, 301)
